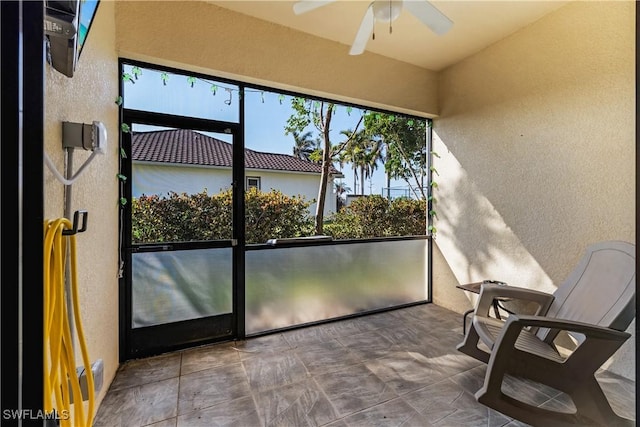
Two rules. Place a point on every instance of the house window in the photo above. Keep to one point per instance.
(253, 182)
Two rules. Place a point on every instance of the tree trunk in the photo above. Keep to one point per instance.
(355, 179)
(322, 192)
(324, 175)
(389, 186)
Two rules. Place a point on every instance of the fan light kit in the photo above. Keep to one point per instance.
(385, 11)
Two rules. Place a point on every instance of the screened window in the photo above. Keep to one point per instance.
(166, 92)
(312, 166)
(377, 177)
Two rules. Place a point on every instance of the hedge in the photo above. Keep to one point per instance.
(198, 217)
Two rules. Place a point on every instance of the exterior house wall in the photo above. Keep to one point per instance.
(161, 179)
(536, 139)
(86, 97)
(298, 184)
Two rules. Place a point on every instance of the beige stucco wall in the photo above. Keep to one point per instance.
(536, 139)
(204, 37)
(90, 95)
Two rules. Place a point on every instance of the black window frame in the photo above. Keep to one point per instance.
(239, 176)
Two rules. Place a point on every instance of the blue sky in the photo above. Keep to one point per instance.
(266, 113)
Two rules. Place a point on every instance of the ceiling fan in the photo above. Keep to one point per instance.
(385, 11)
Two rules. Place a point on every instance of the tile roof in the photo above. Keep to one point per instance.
(187, 147)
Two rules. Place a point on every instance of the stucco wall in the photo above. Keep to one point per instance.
(90, 95)
(204, 37)
(537, 153)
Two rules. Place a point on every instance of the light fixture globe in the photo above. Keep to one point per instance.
(387, 10)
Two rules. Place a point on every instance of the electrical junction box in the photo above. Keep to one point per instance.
(86, 136)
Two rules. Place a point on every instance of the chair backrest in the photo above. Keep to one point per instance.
(600, 290)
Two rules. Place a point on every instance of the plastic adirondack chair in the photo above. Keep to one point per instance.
(595, 305)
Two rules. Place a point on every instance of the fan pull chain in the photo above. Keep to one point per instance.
(373, 32)
(390, 15)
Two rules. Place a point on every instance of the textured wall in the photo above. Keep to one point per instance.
(90, 95)
(537, 143)
(204, 37)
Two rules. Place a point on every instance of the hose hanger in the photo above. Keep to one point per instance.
(77, 215)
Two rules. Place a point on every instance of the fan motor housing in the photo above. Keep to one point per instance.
(387, 10)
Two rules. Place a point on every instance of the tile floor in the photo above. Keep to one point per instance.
(389, 369)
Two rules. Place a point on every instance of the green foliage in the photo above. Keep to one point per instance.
(405, 140)
(126, 77)
(182, 217)
(376, 216)
(275, 215)
(197, 217)
(136, 71)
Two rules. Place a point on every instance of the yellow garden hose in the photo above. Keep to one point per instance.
(61, 382)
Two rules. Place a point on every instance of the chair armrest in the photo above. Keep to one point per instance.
(587, 329)
(599, 345)
(490, 291)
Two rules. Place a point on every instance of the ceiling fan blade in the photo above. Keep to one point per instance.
(305, 6)
(364, 32)
(429, 15)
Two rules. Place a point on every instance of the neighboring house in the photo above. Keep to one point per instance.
(185, 161)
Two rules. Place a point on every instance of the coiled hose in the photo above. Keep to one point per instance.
(61, 382)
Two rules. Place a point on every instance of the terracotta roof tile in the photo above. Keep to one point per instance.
(183, 146)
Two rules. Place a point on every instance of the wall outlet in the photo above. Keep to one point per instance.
(97, 368)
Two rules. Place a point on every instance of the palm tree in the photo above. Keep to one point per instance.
(304, 145)
(353, 152)
(340, 189)
(372, 155)
(364, 154)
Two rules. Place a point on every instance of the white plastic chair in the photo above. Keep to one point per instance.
(595, 305)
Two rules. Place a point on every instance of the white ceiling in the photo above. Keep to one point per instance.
(476, 25)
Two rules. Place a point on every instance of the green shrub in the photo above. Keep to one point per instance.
(183, 217)
(376, 216)
(275, 215)
(197, 217)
